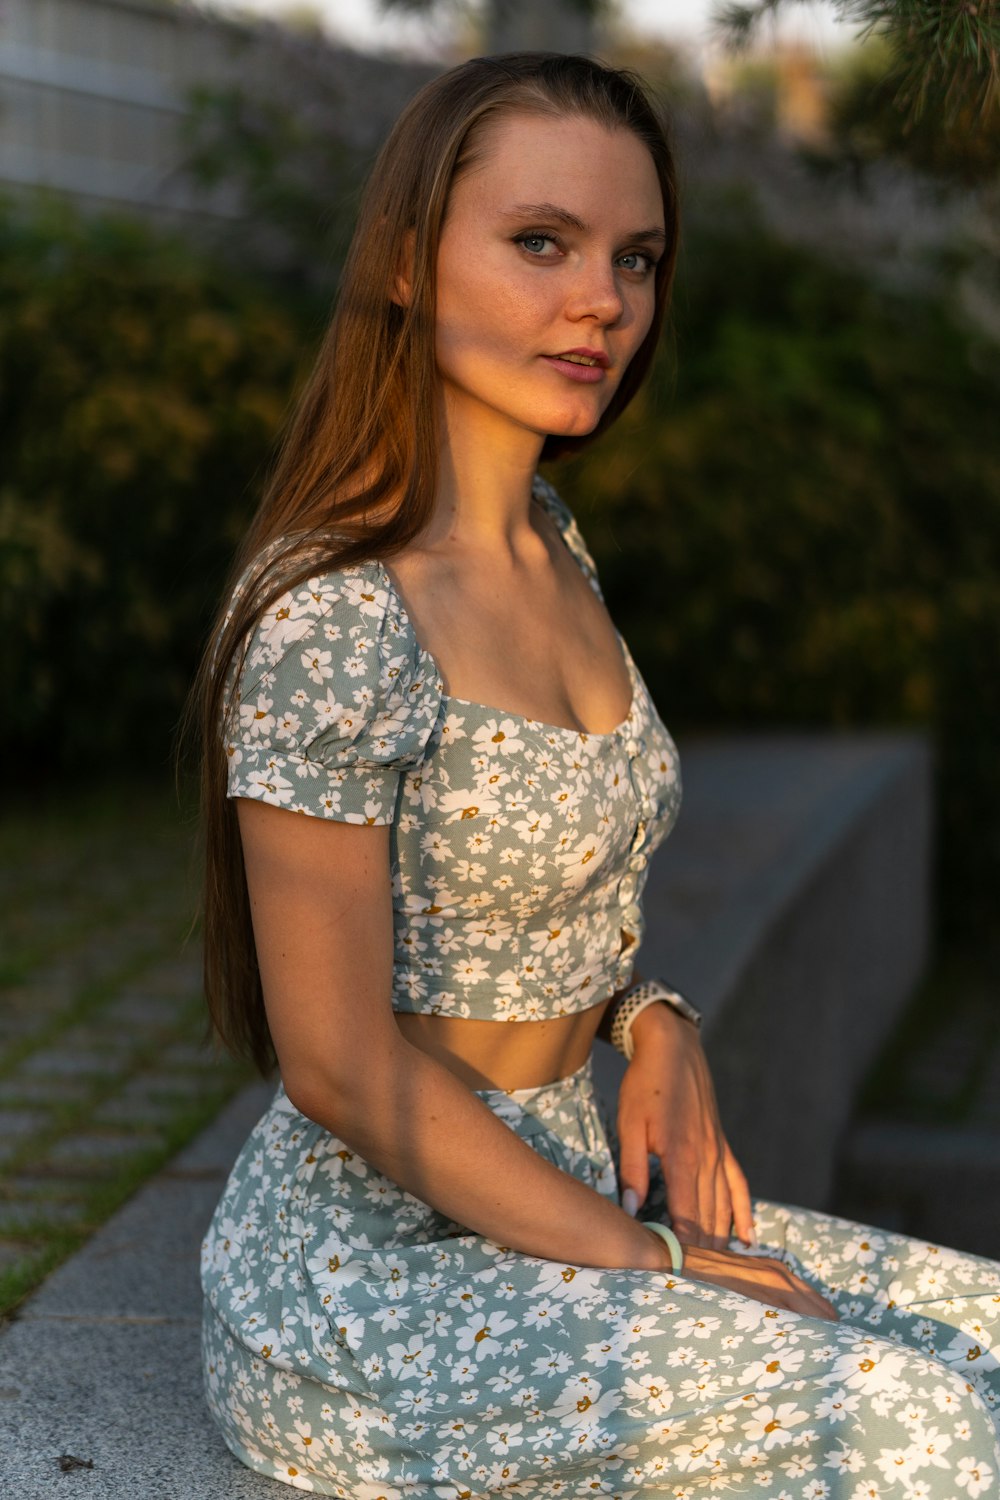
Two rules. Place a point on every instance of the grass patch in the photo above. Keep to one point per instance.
(114, 871)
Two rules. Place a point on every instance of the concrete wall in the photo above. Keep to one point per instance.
(93, 94)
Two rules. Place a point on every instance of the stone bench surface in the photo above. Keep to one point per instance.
(775, 838)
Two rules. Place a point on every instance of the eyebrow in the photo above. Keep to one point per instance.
(553, 214)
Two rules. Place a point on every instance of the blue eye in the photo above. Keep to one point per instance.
(534, 243)
(648, 264)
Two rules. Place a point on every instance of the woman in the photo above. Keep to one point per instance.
(432, 1271)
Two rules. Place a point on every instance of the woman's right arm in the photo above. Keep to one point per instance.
(321, 900)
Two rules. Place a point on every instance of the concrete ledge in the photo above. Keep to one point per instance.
(790, 900)
(946, 1179)
(102, 1363)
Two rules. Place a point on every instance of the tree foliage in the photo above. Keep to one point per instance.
(944, 54)
(958, 146)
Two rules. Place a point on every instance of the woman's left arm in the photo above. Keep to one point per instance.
(667, 1107)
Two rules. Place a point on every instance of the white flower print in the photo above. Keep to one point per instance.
(551, 939)
(268, 784)
(541, 1315)
(412, 1360)
(583, 1403)
(869, 1367)
(451, 727)
(503, 1439)
(866, 1248)
(772, 1426)
(970, 1344)
(481, 1335)
(655, 1393)
(533, 828)
(494, 934)
(390, 1316)
(975, 1477)
(287, 726)
(698, 1328)
(365, 598)
(461, 806)
(836, 1406)
(473, 971)
(318, 665)
(256, 719)
(765, 1373)
(498, 737)
(287, 621)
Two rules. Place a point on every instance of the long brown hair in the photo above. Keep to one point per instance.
(355, 472)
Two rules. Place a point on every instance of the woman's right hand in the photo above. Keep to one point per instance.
(757, 1276)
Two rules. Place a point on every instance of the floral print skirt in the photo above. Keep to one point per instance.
(359, 1344)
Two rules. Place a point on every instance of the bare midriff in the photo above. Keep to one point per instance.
(505, 1054)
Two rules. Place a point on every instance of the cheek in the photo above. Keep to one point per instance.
(481, 315)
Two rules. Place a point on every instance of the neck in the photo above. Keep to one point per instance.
(485, 473)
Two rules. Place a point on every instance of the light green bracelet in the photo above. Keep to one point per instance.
(673, 1244)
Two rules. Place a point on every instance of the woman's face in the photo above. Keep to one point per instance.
(547, 251)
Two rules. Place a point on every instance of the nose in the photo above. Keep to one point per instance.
(595, 292)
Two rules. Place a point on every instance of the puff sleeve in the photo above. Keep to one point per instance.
(335, 700)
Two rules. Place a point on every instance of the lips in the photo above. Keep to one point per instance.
(592, 357)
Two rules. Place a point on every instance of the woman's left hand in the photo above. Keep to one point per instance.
(667, 1106)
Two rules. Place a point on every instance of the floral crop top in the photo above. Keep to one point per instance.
(519, 850)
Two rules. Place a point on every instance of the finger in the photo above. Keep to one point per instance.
(713, 1199)
(821, 1307)
(800, 1297)
(815, 1306)
(633, 1166)
(739, 1193)
(722, 1214)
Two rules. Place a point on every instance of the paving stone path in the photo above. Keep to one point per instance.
(104, 1069)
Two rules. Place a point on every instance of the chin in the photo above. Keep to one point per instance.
(576, 429)
(574, 424)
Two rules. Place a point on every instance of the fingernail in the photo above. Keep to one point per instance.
(630, 1202)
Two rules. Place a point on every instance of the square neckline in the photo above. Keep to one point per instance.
(619, 731)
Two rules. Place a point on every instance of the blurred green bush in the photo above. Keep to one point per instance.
(141, 385)
(798, 523)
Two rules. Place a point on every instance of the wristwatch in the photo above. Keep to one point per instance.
(635, 999)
